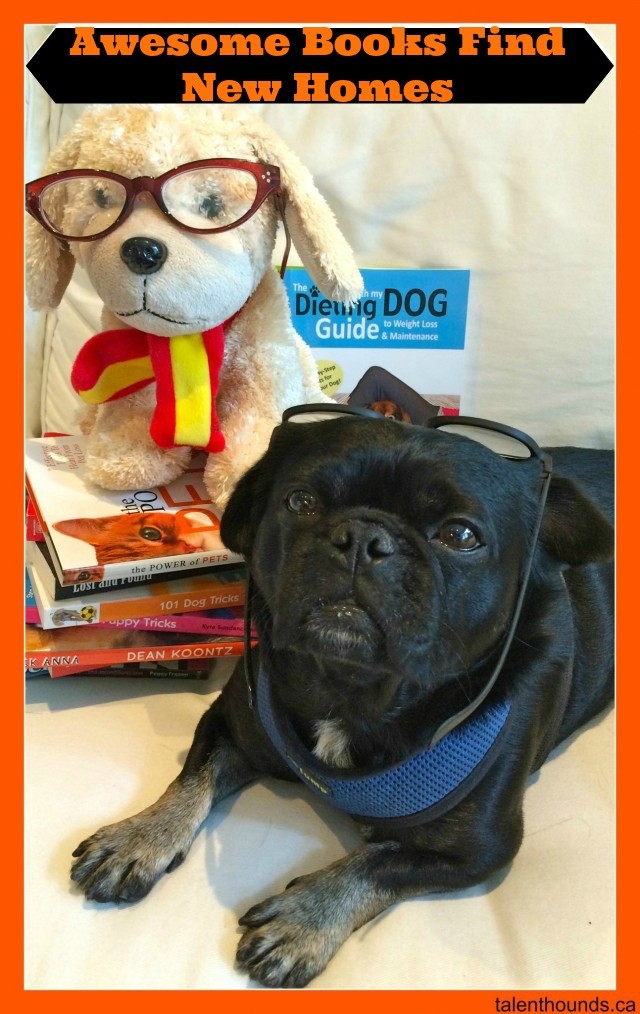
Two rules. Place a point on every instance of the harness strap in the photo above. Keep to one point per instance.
(427, 784)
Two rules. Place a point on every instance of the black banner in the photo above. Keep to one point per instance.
(320, 64)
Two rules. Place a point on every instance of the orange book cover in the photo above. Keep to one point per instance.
(158, 598)
(83, 646)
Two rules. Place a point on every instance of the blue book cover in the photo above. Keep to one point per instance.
(30, 606)
(409, 322)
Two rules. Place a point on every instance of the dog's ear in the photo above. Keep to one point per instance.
(574, 530)
(49, 263)
(248, 502)
(49, 267)
(324, 251)
(241, 517)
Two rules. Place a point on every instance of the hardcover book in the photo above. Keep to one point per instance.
(184, 595)
(32, 527)
(39, 556)
(31, 614)
(153, 670)
(85, 646)
(95, 534)
(229, 622)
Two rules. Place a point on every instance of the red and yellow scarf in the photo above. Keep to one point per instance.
(185, 368)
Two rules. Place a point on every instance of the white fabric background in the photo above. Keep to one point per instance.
(523, 196)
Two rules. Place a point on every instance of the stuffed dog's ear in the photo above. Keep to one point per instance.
(324, 251)
(49, 267)
(50, 264)
(574, 530)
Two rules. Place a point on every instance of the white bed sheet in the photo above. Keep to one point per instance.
(99, 750)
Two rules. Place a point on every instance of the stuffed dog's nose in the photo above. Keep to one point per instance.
(362, 542)
(142, 255)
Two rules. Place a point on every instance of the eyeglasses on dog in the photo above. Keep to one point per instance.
(508, 443)
(207, 196)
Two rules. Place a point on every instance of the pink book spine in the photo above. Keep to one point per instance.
(187, 623)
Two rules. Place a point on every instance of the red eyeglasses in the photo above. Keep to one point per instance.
(207, 196)
(211, 195)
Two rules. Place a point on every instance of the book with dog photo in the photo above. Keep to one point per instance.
(95, 534)
(193, 593)
(408, 324)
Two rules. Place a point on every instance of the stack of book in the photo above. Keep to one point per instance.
(124, 582)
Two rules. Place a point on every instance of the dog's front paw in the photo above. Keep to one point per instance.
(289, 938)
(122, 862)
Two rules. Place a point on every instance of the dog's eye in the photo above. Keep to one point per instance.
(211, 206)
(301, 501)
(458, 535)
(150, 533)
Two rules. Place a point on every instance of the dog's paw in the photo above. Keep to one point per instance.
(122, 862)
(289, 938)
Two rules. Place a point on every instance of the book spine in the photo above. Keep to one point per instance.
(202, 651)
(209, 596)
(189, 668)
(188, 564)
(202, 595)
(179, 670)
(182, 623)
(33, 518)
(33, 531)
(116, 671)
(31, 613)
(61, 592)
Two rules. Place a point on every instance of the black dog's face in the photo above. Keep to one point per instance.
(391, 552)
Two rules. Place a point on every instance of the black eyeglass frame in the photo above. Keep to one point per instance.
(335, 408)
(437, 422)
(546, 469)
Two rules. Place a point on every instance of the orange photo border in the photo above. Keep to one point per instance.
(328, 12)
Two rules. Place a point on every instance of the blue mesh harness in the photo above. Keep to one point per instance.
(419, 789)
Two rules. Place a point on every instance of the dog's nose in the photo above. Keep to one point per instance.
(362, 542)
(142, 255)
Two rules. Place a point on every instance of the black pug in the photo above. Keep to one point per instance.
(385, 561)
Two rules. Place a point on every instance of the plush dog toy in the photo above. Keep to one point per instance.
(198, 348)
